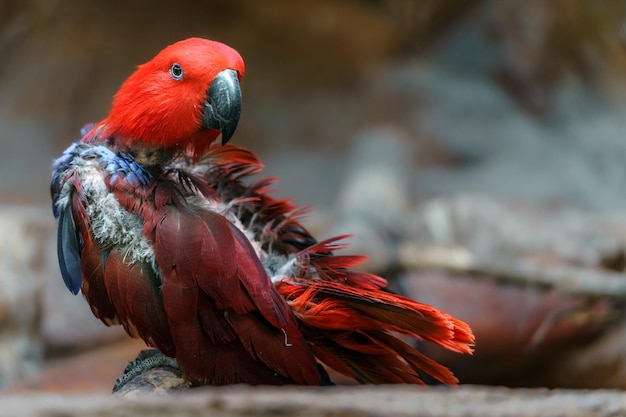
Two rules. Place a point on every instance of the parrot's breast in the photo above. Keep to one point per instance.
(110, 224)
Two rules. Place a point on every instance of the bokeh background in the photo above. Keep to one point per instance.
(476, 150)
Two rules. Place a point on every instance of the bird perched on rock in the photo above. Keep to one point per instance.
(163, 234)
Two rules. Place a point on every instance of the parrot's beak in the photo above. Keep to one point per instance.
(222, 107)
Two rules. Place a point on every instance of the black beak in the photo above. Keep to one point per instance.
(222, 107)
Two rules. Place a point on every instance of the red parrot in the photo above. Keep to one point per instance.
(164, 234)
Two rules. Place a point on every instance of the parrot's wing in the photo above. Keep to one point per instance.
(119, 290)
(225, 315)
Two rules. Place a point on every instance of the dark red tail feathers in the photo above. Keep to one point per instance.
(355, 327)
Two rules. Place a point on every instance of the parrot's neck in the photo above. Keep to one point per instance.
(151, 157)
(144, 154)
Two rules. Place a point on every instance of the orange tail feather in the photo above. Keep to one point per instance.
(355, 326)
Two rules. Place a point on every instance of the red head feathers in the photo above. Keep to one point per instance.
(183, 98)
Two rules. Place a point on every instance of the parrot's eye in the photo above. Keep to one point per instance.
(176, 71)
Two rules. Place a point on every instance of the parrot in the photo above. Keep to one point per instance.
(163, 230)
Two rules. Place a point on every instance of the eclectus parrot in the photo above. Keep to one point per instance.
(164, 234)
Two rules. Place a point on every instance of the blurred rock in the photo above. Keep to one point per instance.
(67, 325)
(24, 260)
(374, 194)
(160, 380)
(523, 333)
(541, 288)
(491, 229)
(37, 314)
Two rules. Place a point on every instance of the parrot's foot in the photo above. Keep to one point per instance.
(145, 361)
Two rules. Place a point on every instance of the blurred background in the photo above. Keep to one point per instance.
(476, 150)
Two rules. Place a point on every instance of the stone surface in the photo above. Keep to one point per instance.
(334, 401)
(159, 381)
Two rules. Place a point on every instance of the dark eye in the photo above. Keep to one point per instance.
(176, 71)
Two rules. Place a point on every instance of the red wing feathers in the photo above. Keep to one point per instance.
(137, 300)
(119, 293)
(351, 322)
(92, 266)
(214, 287)
(283, 350)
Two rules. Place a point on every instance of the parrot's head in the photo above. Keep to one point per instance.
(182, 99)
